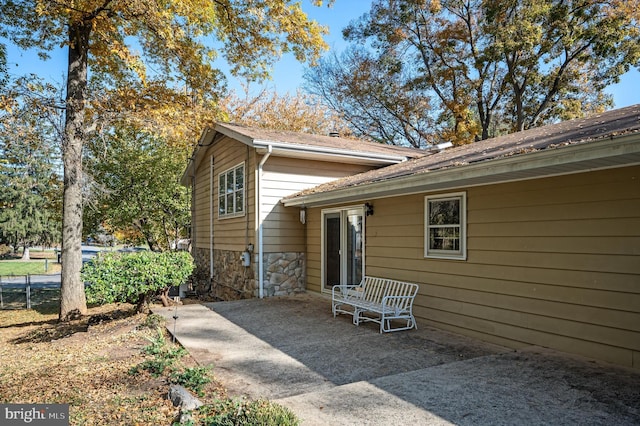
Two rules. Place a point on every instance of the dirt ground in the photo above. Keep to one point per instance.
(86, 364)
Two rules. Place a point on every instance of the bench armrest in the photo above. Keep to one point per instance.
(347, 291)
(387, 299)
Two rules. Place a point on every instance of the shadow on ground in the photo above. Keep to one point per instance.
(331, 372)
(52, 329)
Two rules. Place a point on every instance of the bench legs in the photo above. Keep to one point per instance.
(337, 309)
(385, 325)
(385, 320)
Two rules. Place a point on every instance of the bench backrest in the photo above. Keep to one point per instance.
(375, 289)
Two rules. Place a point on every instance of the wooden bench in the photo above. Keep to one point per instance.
(387, 299)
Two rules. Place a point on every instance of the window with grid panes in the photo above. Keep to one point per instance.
(231, 192)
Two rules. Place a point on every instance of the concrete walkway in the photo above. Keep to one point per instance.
(329, 371)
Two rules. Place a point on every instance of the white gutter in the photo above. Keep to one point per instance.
(258, 209)
(333, 152)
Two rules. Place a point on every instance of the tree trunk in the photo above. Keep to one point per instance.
(164, 297)
(142, 307)
(25, 254)
(73, 301)
(144, 228)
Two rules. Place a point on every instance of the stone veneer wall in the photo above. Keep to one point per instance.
(201, 279)
(231, 280)
(284, 275)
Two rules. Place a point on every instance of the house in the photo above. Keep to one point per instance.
(528, 239)
(234, 169)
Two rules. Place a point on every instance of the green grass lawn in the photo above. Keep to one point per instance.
(33, 267)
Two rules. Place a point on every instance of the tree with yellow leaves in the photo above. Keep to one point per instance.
(297, 112)
(150, 42)
(488, 67)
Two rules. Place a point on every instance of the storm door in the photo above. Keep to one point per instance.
(343, 247)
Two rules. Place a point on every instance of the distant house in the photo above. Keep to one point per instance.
(527, 239)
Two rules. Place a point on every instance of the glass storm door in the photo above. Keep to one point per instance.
(343, 247)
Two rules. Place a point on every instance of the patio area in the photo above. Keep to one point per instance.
(329, 371)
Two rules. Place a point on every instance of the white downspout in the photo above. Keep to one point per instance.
(258, 209)
(211, 198)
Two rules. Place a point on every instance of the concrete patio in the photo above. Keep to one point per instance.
(329, 371)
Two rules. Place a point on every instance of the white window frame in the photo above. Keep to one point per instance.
(460, 254)
(221, 191)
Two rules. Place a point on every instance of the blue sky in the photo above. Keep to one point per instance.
(287, 74)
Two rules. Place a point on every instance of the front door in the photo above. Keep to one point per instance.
(343, 246)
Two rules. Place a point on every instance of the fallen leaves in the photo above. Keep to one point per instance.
(86, 366)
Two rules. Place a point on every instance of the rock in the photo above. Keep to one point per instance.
(185, 419)
(181, 397)
(277, 279)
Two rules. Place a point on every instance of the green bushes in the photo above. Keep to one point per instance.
(194, 378)
(164, 356)
(135, 277)
(233, 412)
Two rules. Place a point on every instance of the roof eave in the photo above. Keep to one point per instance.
(285, 150)
(618, 151)
(328, 154)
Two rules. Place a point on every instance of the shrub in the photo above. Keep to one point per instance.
(135, 277)
(267, 413)
(229, 412)
(158, 347)
(7, 252)
(164, 356)
(195, 378)
(153, 321)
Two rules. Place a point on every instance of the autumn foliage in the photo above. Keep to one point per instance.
(479, 68)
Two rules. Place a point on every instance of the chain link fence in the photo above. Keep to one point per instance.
(27, 291)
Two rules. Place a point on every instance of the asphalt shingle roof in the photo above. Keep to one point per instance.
(579, 131)
(322, 141)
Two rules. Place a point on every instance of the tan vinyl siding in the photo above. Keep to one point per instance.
(314, 250)
(552, 262)
(234, 233)
(283, 231)
(231, 233)
(201, 222)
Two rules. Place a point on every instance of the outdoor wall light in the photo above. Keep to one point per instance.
(368, 209)
(250, 248)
